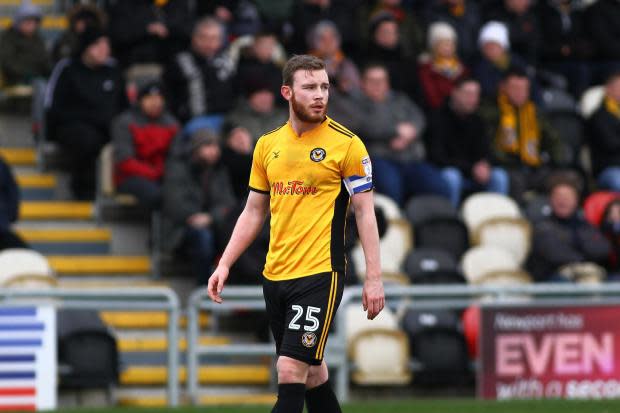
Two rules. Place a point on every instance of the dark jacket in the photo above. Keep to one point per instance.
(252, 71)
(604, 26)
(399, 67)
(189, 188)
(128, 30)
(141, 144)
(557, 242)
(9, 197)
(560, 30)
(78, 93)
(490, 76)
(22, 58)
(456, 140)
(199, 86)
(67, 43)
(604, 137)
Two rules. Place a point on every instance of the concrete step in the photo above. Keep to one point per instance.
(99, 264)
(136, 320)
(48, 23)
(19, 156)
(68, 241)
(239, 374)
(36, 187)
(56, 210)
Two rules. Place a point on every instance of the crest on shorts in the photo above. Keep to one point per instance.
(308, 339)
(317, 154)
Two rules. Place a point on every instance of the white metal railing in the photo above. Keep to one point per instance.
(421, 297)
(130, 299)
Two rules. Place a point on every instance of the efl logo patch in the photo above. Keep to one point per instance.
(367, 165)
(308, 339)
(317, 154)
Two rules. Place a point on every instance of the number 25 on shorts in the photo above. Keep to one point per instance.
(312, 322)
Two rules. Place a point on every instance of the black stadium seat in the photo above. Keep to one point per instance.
(424, 207)
(432, 266)
(447, 234)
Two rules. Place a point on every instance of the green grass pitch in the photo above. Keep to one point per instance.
(412, 406)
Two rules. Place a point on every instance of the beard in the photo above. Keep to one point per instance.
(305, 114)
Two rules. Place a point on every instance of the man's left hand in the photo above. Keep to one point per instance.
(373, 297)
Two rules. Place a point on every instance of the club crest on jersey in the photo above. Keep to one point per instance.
(317, 154)
(308, 339)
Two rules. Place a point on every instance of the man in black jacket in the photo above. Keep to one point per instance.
(459, 143)
(604, 134)
(565, 238)
(9, 208)
(200, 81)
(84, 94)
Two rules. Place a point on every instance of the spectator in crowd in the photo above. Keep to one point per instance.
(9, 208)
(392, 127)
(84, 94)
(257, 113)
(80, 17)
(496, 58)
(200, 81)
(237, 158)
(464, 17)
(565, 238)
(523, 27)
(141, 137)
(241, 17)
(324, 42)
(525, 143)
(386, 46)
(197, 197)
(458, 142)
(566, 43)
(610, 226)
(148, 31)
(441, 68)
(409, 29)
(604, 134)
(604, 26)
(258, 63)
(343, 13)
(22, 49)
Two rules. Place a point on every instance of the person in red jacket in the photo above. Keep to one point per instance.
(440, 69)
(142, 136)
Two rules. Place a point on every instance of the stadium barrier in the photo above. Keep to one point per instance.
(128, 299)
(418, 297)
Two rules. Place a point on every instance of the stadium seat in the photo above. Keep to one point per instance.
(19, 266)
(485, 205)
(437, 346)
(394, 244)
(431, 266)
(591, 100)
(512, 234)
(424, 207)
(484, 259)
(357, 322)
(447, 234)
(594, 206)
(471, 329)
(505, 278)
(381, 357)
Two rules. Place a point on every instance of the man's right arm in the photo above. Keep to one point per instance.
(248, 226)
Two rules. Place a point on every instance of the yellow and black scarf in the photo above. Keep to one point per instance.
(450, 67)
(518, 132)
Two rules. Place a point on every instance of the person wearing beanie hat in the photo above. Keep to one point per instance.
(197, 200)
(80, 17)
(83, 95)
(441, 68)
(23, 56)
(464, 17)
(142, 137)
(495, 58)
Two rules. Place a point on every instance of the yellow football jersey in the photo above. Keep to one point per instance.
(309, 179)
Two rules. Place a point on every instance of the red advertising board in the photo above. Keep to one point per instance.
(550, 352)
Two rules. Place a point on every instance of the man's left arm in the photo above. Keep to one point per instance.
(373, 298)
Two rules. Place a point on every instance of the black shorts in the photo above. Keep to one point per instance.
(300, 313)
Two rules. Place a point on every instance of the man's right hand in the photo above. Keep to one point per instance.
(216, 283)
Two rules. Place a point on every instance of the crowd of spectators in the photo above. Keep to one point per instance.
(447, 96)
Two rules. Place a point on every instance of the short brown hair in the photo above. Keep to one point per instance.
(300, 62)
